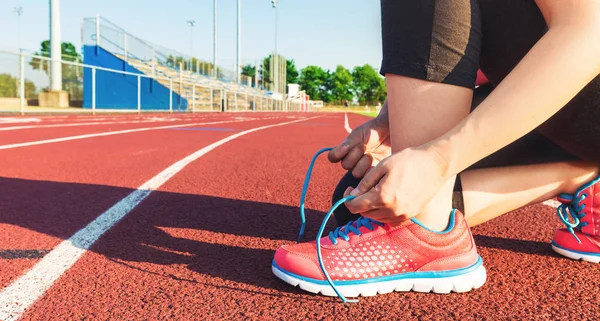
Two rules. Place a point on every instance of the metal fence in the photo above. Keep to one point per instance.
(25, 77)
(98, 31)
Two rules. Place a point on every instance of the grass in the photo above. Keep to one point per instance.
(362, 110)
(371, 114)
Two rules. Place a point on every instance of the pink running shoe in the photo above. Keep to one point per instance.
(366, 257)
(581, 239)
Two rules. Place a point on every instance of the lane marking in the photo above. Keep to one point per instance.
(550, 203)
(126, 131)
(346, 123)
(12, 120)
(207, 129)
(24, 291)
(91, 124)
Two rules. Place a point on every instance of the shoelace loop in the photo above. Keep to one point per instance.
(352, 227)
(305, 189)
(340, 232)
(574, 209)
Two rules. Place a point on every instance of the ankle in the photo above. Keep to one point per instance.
(585, 174)
(436, 220)
(436, 214)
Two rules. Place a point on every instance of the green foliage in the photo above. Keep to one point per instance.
(368, 85)
(72, 76)
(249, 70)
(9, 87)
(291, 71)
(340, 85)
(315, 82)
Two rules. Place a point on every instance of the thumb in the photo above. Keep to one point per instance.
(369, 181)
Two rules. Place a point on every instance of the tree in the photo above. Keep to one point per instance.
(314, 81)
(72, 76)
(368, 85)
(340, 85)
(9, 87)
(249, 70)
(291, 72)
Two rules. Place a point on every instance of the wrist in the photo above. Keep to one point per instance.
(442, 154)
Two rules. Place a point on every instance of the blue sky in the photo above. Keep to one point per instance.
(312, 32)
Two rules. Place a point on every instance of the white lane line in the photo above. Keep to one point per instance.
(24, 291)
(346, 123)
(117, 132)
(91, 124)
(12, 120)
(550, 203)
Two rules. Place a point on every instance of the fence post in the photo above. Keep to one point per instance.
(125, 44)
(93, 90)
(236, 100)
(180, 84)
(22, 83)
(97, 34)
(139, 94)
(171, 95)
(247, 105)
(223, 100)
(153, 62)
(212, 98)
(193, 98)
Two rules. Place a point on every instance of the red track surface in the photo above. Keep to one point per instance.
(200, 247)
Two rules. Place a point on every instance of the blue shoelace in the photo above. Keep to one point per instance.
(340, 232)
(575, 210)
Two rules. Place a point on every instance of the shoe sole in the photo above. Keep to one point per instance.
(588, 257)
(473, 278)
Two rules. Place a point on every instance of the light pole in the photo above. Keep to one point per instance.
(274, 59)
(55, 44)
(215, 73)
(239, 41)
(18, 11)
(191, 23)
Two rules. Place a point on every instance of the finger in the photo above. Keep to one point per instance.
(347, 191)
(364, 203)
(362, 166)
(338, 152)
(353, 156)
(370, 180)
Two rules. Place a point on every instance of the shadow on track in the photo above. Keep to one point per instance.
(61, 209)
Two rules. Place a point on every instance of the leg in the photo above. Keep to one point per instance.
(430, 71)
(491, 192)
(420, 111)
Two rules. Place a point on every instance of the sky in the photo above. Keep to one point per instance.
(325, 33)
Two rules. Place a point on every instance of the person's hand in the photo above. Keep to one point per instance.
(399, 187)
(364, 147)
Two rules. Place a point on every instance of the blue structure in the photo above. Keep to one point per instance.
(118, 91)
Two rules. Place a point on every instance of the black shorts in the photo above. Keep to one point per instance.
(447, 41)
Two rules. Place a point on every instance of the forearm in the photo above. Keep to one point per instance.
(547, 78)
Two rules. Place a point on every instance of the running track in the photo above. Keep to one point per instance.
(206, 200)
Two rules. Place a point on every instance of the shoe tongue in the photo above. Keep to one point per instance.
(565, 198)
